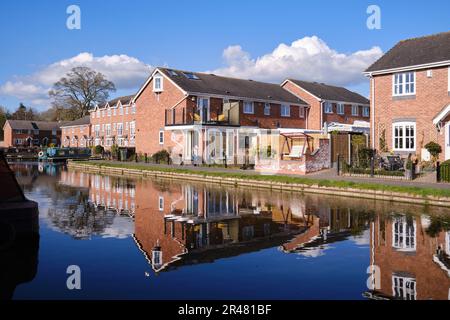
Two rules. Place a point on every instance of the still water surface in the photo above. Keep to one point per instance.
(160, 239)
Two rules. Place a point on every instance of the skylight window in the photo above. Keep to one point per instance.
(190, 75)
(172, 73)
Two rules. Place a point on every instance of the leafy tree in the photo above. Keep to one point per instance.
(80, 90)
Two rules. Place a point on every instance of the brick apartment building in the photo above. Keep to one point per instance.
(25, 133)
(77, 134)
(410, 96)
(329, 104)
(188, 112)
(114, 123)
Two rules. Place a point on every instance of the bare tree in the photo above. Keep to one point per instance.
(80, 90)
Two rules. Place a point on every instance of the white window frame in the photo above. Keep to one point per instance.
(340, 109)
(108, 129)
(161, 137)
(355, 110)
(366, 111)
(328, 107)
(133, 108)
(120, 128)
(403, 125)
(249, 104)
(132, 128)
(283, 109)
(267, 109)
(161, 84)
(404, 287)
(301, 112)
(404, 236)
(161, 203)
(404, 84)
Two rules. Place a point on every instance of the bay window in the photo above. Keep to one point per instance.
(404, 136)
(404, 84)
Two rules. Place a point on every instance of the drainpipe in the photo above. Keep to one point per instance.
(372, 107)
(321, 114)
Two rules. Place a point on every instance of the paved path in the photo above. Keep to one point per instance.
(426, 181)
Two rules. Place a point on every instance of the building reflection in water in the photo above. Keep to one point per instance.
(182, 224)
(412, 255)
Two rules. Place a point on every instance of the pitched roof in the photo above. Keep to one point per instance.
(415, 51)
(327, 92)
(125, 100)
(79, 122)
(35, 125)
(217, 85)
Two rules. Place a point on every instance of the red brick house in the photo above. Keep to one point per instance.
(77, 134)
(114, 123)
(25, 133)
(329, 104)
(410, 96)
(195, 114)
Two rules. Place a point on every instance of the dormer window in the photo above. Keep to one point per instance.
(158, 84)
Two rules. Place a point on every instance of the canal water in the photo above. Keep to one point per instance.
(160, 239)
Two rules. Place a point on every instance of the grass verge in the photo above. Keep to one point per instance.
(413, 190)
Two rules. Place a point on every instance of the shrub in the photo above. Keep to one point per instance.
(161, 156)
(434, 149)
(365, 155)
(98, 149)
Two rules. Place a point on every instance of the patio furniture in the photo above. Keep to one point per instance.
(296, 152)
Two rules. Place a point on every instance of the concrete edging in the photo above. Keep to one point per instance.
(276, 186)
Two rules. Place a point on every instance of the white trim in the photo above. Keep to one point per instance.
(161, 136)
(403, 124)
(355, 107)
(288, 80)
(408, 68)
(252, 105)
(150, 79)
(288, 108)
(325, 107)
(404, 84)
(161, 203)
(364, 114)
(441, 115)
(161, 83)
(343, 109)
(266, 104)
(448, 80)
(301, 112)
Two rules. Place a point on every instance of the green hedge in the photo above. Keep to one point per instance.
(445, 171)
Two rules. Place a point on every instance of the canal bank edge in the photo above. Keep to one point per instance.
(376, 191)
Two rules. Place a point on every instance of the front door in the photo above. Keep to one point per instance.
(447, 140)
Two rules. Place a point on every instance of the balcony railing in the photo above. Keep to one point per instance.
(182, 116)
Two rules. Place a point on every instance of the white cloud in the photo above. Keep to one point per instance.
(126, 72)
(309, 58)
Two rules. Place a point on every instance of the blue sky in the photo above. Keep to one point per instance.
(194, 35)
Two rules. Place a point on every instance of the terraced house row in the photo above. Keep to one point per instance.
(193, 114)
(188, 112)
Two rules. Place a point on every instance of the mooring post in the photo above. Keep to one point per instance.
(438, 171)
(372, 167)
(338, 165)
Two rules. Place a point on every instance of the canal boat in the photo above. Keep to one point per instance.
(63, 154)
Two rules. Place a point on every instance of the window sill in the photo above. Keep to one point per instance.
(404, 97)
